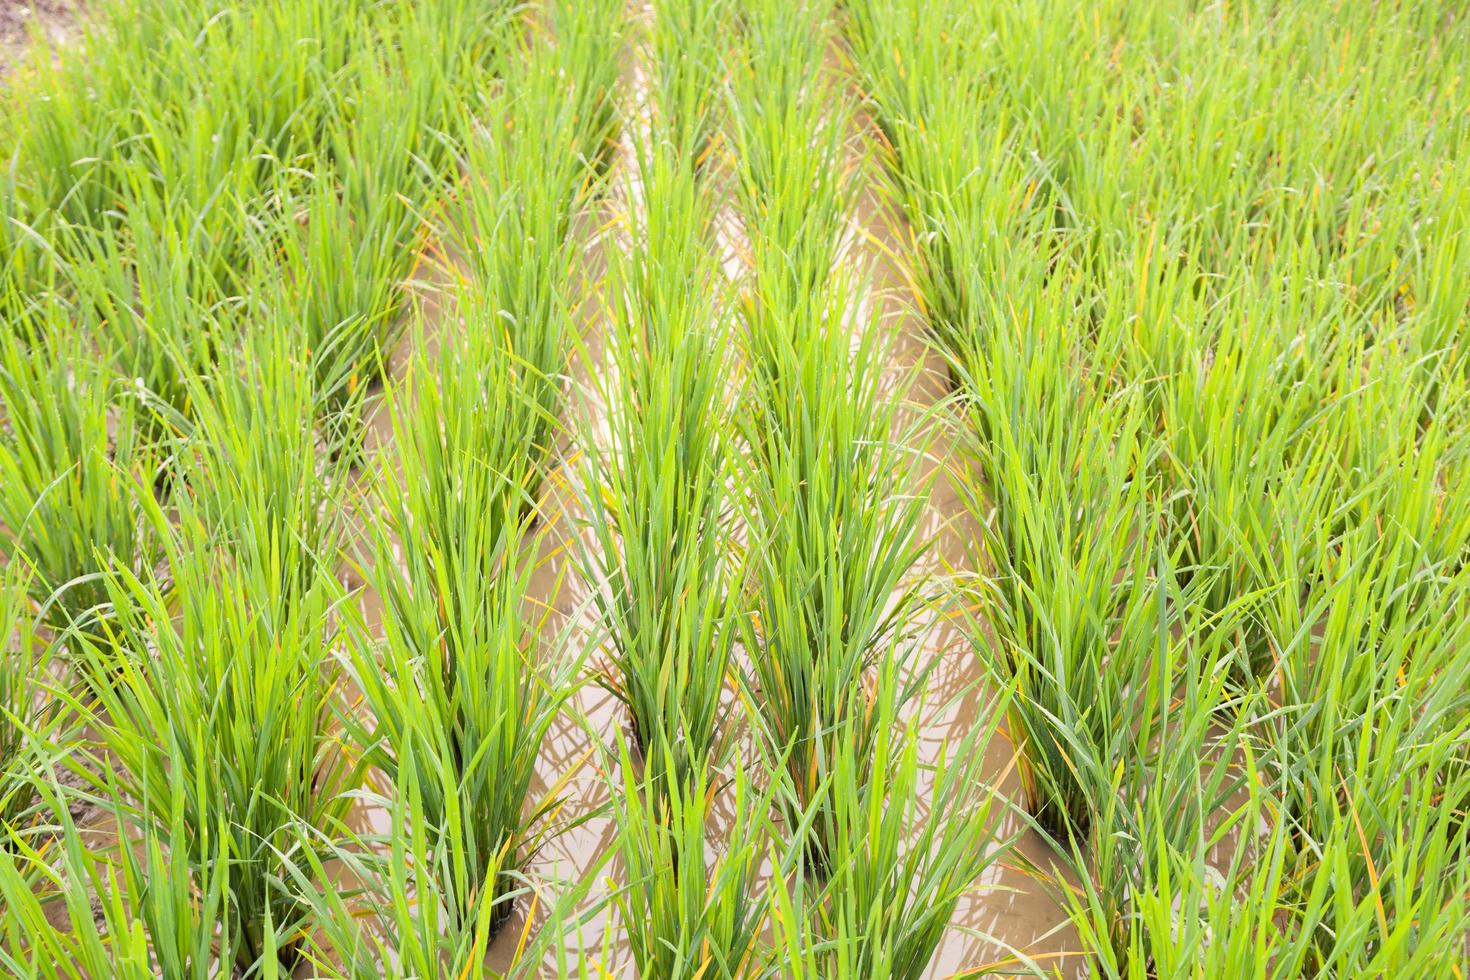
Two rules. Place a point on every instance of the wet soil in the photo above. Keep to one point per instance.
(54, 22)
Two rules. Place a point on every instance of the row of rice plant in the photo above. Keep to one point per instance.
(1216, 436)
(655, 491)
(880, 848)
(212, 635)
(465, 684)
(1198, 273)
(663, 555)
(826, 474)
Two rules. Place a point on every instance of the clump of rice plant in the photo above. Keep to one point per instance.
(340, 285)
(460, 692)
(159, 303)
(590, 39)
(75, 473)
(684, 54)
(29, 717)
(788, 122)
(829, 480)
(517, 221)
(1167, 789)
(76, 909)
(221, 736)
(656, 495)
(1065, 508)
(259, 474)
(403, 904)
(907, 839)
(27, 266)
(692, 904)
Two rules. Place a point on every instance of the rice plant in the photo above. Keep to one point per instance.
(1069, 511)
(829, 483)
(1199, 272)
(220, 738)
(261, 477)
(685, 43)
(400, 909)
(788, 128)
(1175, 788)
(460, 693)
(656, 495)
(519, 223)
(157, 329)
(30, 721)
(692, 904)
(907, 839)
(75, 910)
(76, 472)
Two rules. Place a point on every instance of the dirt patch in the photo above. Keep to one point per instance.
(54, 19)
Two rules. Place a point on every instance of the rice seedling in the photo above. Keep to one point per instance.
(907, 840)
(1058, 481)
(147, 296)
(219, 738)
(656, 496)
(379, 908)
(344, 271)
(590, 39)
(74, 474)
(260, 476)
(362, 235)
(1163, 788)
(691, 905)
(397, 906)
(22, 274)
(978, 206)
(29, 721)
(1245, 487)
(684, 53)
(1203, 870)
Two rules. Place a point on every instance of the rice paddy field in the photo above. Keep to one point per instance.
(710, 489)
